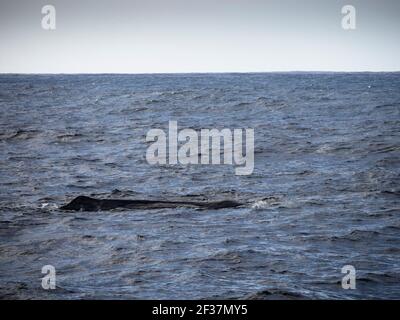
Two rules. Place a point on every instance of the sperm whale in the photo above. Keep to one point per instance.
(83, 203)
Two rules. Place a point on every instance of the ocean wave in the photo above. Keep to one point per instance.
(274, 294)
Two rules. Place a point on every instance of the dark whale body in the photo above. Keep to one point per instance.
(90, 204)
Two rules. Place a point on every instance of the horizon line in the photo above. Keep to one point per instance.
(192, 72)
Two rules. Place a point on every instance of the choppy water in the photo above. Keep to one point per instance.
(327, 152)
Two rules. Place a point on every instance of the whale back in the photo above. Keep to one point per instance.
(83, 203)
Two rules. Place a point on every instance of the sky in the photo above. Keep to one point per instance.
(176, 36)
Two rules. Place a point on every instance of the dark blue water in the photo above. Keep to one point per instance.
(327, 154)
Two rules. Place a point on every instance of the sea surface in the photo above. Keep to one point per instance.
(325, 191)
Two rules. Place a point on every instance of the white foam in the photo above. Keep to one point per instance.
(260, 204)
(48, 206)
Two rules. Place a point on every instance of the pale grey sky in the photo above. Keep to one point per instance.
(147, 36)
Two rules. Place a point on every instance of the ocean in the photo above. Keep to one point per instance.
(324, 192)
